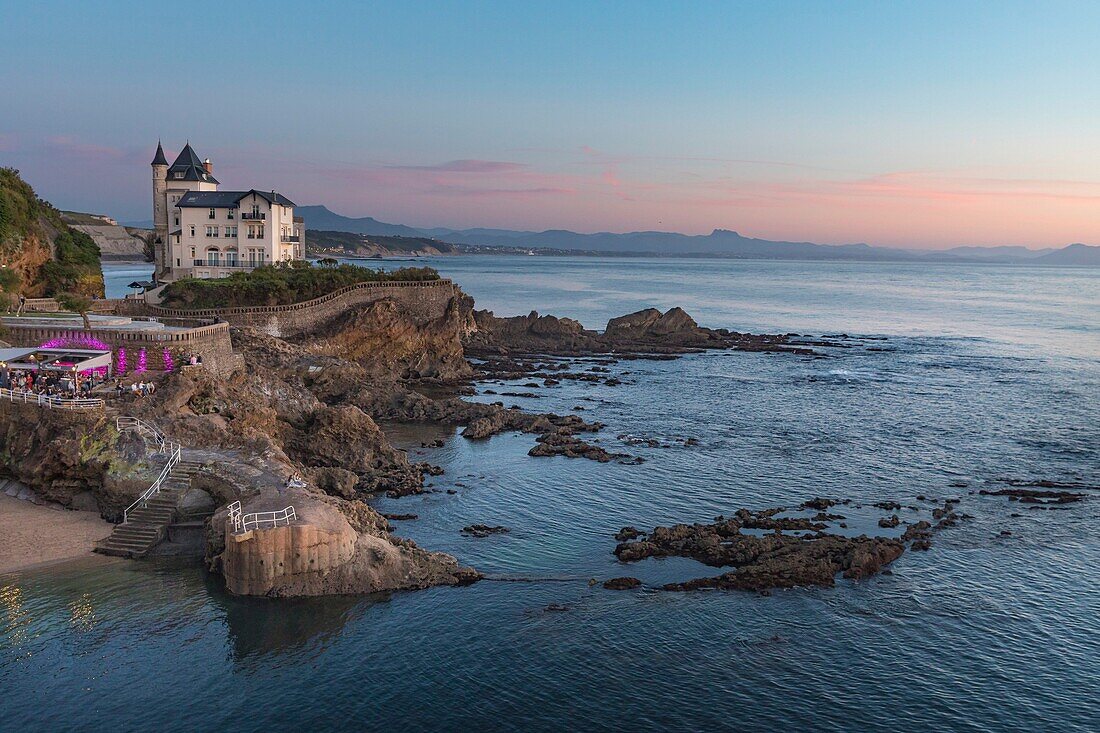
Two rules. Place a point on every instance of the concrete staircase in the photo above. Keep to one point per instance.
(147, 525)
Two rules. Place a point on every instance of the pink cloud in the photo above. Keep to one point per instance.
(466, 166)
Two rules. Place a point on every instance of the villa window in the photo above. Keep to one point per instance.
(177, 220)
(212, 257)
(215, 231)
(209, 231)
(192, 230)
(192, 253)
(229, 214)
(213, 213)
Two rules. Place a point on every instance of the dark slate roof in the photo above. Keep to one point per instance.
(190, 165)
(159, 158)
(211, 199)
(271, 197)
(228, 199)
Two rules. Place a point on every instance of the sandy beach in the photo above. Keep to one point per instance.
(32, 535)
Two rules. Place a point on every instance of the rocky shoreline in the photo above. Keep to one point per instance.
(310, 407)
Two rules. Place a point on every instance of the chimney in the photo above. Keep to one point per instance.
(208, 166)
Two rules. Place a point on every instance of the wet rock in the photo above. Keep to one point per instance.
(401, 517)
(891, 521)
(625, 583)
(1036, 496)
(628, 533)
(483, 530)
(771, 561)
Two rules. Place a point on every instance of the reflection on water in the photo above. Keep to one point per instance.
(258, 627)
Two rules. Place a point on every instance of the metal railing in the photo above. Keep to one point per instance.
(260, 216)
(258, 520)
(53, 402)
(149, 433)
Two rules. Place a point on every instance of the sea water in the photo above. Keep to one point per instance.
(970, 375)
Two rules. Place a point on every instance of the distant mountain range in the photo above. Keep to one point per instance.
(719, 243)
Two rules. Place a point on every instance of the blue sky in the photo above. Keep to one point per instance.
(910, 124)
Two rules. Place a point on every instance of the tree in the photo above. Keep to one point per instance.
(78, 304)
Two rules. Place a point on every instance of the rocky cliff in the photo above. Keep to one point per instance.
(43, 254)
(115, 242)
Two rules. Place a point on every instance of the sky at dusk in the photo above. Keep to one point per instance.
(915, 124)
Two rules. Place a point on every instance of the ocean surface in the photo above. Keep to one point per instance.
(960, 375)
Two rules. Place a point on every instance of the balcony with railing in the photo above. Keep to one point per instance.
(289, 238)
(225, 263)
(253, 215)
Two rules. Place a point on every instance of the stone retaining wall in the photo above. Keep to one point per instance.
(212, 343)
(422, 300)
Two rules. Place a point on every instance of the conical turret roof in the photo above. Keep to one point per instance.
(159, 158)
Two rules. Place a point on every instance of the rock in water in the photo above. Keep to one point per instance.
(622, 584)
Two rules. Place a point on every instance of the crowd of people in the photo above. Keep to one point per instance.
(137, 389)
(50, 383)
(66, 386)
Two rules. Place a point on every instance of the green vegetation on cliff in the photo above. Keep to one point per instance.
(326, 242)
(47, 256)
(280, 284)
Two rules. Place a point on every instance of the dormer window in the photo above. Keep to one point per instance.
(179, 174)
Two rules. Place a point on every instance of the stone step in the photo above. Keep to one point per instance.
(135, 525)
(128, 543)
(150, 514)
(134, 542)
(135, 528)
(150, 520)
(113, 551)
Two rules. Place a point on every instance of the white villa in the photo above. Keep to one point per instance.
(203, 232)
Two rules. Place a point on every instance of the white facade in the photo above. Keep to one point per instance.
(207, 233)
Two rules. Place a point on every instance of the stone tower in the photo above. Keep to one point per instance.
(160, 212)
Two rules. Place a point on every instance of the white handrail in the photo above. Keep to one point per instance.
(43, 400)
(234, 517)
(171, 448)
(147, 431)
(260, 520)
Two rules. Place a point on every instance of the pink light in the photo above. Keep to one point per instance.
(122, 361)
(76, 342)
(141, 362)
(169, 362)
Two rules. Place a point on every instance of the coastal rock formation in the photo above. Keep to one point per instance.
(333, 547)
(74, 459)
(645, 331)
(391, 345)
(780, 559)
